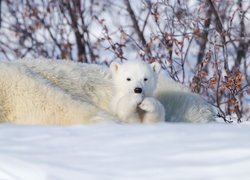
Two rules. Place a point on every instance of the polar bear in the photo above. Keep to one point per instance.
(134, 83)
(35, 96)
(44, 91)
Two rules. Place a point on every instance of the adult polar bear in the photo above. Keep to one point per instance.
(45, 91)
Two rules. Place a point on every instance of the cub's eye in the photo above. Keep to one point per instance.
(145, 79)
(128, 79)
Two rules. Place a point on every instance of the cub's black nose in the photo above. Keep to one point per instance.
(138, 90)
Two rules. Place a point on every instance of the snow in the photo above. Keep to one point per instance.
(119, 151)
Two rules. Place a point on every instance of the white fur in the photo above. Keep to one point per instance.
(52, 92)
(180, 104)
(45, 91)
(136, 107)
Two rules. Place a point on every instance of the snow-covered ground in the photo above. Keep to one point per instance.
(116, 152)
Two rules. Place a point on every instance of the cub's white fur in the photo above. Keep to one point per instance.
(43, 91)
(134, 83)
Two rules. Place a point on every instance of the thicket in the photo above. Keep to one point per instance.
(203, 44)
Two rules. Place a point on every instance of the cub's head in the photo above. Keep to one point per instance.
(135, 77)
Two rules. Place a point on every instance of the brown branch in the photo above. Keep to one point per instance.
(242, 48)
(218, 21)
(219, 28)
(204, 36)
(85, 31)
(79, 39)
(146, 19)
(135, 22)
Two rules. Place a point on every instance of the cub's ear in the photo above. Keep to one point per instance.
(114, 67)
(156, 67)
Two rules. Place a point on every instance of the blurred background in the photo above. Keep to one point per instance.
(203, 44)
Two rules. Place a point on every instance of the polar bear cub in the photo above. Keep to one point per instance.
(134, 83)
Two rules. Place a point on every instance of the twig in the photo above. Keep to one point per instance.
(135, 22)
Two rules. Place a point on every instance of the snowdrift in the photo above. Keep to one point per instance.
(113, 151)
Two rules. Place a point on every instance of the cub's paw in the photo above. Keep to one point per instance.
(136, 99)
(148, 104)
